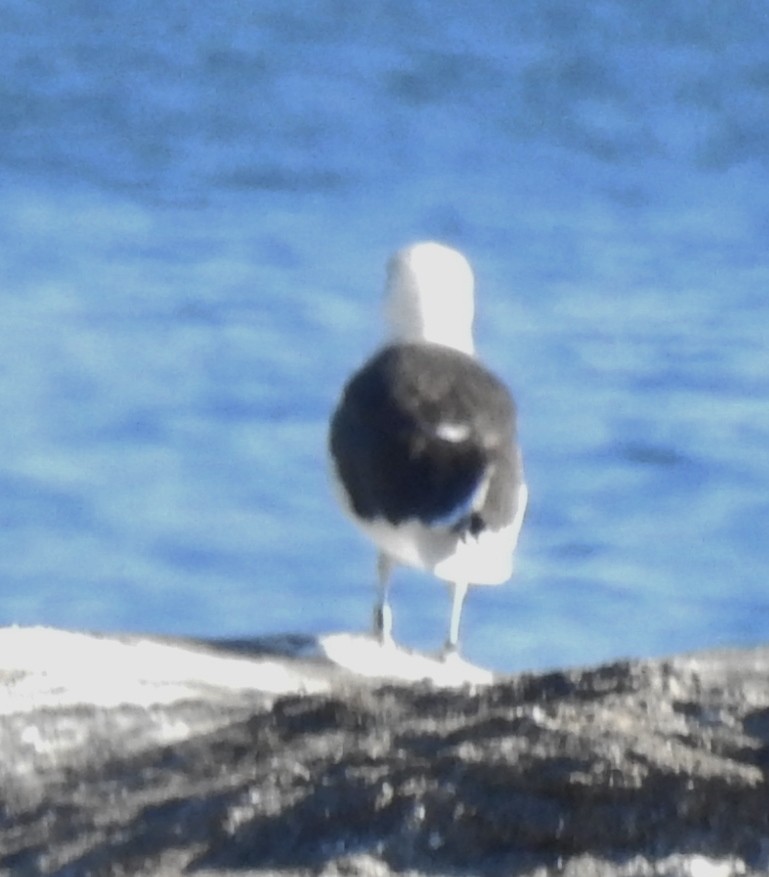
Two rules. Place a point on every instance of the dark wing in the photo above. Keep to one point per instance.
(425, 432)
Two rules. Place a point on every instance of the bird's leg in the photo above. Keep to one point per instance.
(383, 615)
(459, 592)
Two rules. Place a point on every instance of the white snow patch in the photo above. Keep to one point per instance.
(366, 656)
(47, 667)
(701, 866)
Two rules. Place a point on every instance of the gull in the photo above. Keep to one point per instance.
(423, 442)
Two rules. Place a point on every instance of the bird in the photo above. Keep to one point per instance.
(423, 441)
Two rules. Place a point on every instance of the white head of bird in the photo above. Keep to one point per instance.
(429, 296)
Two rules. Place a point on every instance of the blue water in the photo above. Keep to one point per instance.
(196, 203)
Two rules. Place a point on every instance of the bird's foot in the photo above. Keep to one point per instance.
(449, 652)
(383, 624)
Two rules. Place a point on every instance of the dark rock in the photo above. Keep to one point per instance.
(637, 768)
